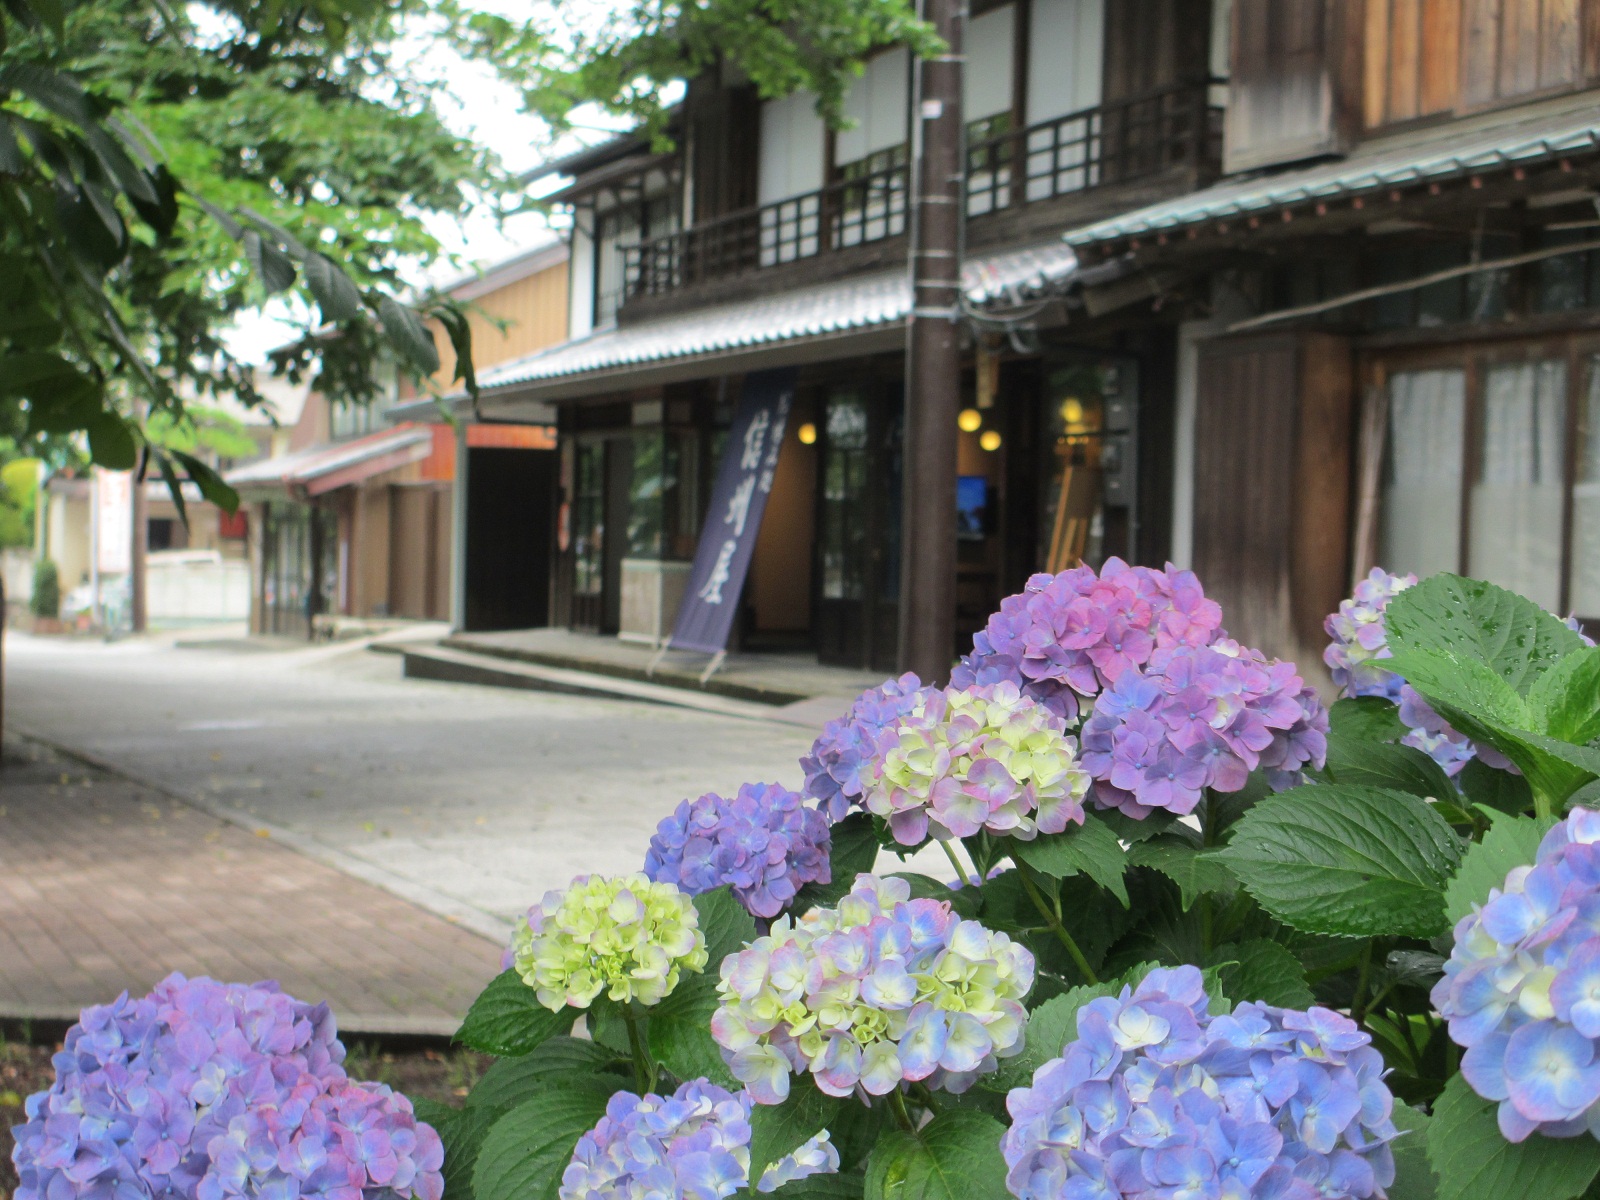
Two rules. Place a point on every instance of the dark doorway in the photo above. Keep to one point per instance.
(619, 503)
(858, 527)
(510, 499)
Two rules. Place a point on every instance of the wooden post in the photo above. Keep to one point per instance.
(138, 612)
(933, 359)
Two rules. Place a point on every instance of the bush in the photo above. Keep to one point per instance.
(46, 589)
(1210, 937)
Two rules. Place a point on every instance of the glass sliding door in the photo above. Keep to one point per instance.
(1420, 531)
(1518, 484)
(1583, 573)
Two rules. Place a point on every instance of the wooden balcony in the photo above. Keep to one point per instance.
(1124, 142)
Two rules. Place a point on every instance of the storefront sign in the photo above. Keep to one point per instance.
(728, 539)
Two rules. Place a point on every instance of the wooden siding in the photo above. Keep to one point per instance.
(1272, 469)
(1428, 57)
(534, 309)
(1154, 44)
(1290, 74)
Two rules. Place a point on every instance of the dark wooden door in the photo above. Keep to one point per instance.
(619, 488)
(858, 527)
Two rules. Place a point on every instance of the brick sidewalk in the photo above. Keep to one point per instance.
(106, 885)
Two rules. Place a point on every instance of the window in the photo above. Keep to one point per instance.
(989, 155)
(1478, 479)
(625, 225)
(872, 204)
(588, 519)
(844, 482)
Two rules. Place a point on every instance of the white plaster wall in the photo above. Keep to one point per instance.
(877, 104)
(1065, 57)
(792, 140)
(988, 77)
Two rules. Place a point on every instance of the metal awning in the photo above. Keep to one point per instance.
(324, 468)
(1522, 137)
(864, 314)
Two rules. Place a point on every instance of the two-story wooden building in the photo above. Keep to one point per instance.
(1393, 351)
(764, 239)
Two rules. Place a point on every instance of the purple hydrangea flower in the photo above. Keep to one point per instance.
(966, 760)
(1156, 1098)
(1201, 717)
(838, 759)
(764, 842)
(1521, 991)
(1073, 634)
(207, 1091)
(880, 990)
(694, 1144)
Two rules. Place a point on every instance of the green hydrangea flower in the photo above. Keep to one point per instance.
(627, 937)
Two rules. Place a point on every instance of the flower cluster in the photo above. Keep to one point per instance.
(208, 1091)
(693, 1144)
(1521, 990)
(880, 990)
(1155, 1098)
(985, 757)
(834, 768)
(628, 937)
(764, 842)
(1072, 634)
(1205, 719)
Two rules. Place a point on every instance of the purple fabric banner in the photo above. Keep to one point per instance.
(728, 538)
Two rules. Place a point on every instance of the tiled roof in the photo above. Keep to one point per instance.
(1520, 137)
(322, 467)
(820, 311)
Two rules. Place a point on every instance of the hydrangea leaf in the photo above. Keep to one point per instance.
(529, 1147)
(1195, 872)
(1413, 1176)
(841, 1186)
(1260, 969)
(1566, 698)
(1473, 1161)
(1347, 861)
(1510, 842)
(854, 850)
(779, 1129)
(510, 1081)
(1380, 764)
(956, 1156)
(1588, 796)
(1366, 719)
(1090, 849)
(507, 1019)
(1494, 788)
(462, 1131)
(679, 1029)
(1469, 620)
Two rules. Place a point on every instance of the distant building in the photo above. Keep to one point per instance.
(355, 514)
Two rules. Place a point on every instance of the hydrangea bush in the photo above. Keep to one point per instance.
(211, 1090)
(1213, 941)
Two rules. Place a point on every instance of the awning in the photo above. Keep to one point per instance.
(324, 468)
(1527, 136)
(863, 314)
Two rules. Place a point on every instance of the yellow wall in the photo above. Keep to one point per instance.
(534, 309)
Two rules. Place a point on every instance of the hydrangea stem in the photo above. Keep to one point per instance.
(644, 1067)
(1052, 917)
(897, 1105)
(955, 861)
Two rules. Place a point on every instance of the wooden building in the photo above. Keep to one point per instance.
(765, 240)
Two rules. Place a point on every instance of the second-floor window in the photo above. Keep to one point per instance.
(624, 225)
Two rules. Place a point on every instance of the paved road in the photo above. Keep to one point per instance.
(471, 801)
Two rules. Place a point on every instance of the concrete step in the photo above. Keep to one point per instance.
(464, 666)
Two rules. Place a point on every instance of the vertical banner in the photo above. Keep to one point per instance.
(728, 538)
(113, 499)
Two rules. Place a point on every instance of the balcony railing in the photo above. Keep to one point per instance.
(1113, 143)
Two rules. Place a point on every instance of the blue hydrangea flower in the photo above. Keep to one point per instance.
(764, 842)
(1155, 1098)
(880, 990)
(1200, 717)
(206, 1091)
(838, 759)
(693, 1144)
(1521, 990)
(1071, 635)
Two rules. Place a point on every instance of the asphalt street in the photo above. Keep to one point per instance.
(470, 801)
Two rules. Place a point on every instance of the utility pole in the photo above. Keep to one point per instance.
(136, 559)
(933, 356)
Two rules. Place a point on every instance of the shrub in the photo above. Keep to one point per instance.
(46, 589)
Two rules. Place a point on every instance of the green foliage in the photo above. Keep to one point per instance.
(1510, 842)
(1413, 1176)
(1379, 764)
(956, 1156)
(528, 1148)
(19, 487)
(1474, 1162)
(46, 589)
(1090, 849)
(507, 1019)
(1195, 871)
(780, 1129)
(1348, 861)
(1264, 970)
(679, 1032)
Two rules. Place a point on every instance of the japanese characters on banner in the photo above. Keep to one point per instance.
(728, 538)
